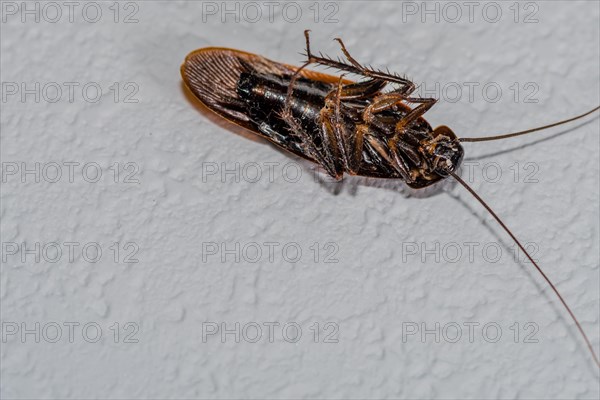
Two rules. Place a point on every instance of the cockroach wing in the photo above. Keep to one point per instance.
(212, 74)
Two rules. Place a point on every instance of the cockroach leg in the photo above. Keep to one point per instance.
(334, 132)
(415, 113)
(279, 139)
(271, 134)
(333, 101)
(287, 113)
(362, 90)
(409, 151)
(308, 52)
(333, 164)
(355, 153)
(351, 146)
(306, 142)
(407, 86)
(389, 100)
(394, 160)
(350, 156)
(347, 54)
(381, 103)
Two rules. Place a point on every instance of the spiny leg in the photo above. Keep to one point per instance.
(384, 148)
(355, 156)
(333, 133)
(320, 155)
(393, 159)
(334, 130)
(361, 90)
(395, 143)
(338, 153)
(329, 155)
(333, 102)
(331, 151)
(408, 86)
(389, 100)
(287, 112)
(355, 91)
(380, 104)
(350, 145)
(351, 152)
(347, 54)
(355, 67)
(306, 146)
(410, 152)
(332, 156)
(408, 119)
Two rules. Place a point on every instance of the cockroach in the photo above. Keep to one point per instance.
(345, 127)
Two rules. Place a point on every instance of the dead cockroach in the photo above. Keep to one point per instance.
(343, 126)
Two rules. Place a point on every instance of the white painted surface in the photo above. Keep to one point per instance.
(373, 290)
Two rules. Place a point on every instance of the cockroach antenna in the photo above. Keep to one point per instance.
(489, 209)
(509, 135)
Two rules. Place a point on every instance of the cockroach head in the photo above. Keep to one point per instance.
(444, 151)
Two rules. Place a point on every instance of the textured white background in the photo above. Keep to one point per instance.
(371, 291)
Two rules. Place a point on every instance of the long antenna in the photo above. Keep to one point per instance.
(509, 135)
(483, 203)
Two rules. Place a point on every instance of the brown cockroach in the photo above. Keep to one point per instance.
(343, 126)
